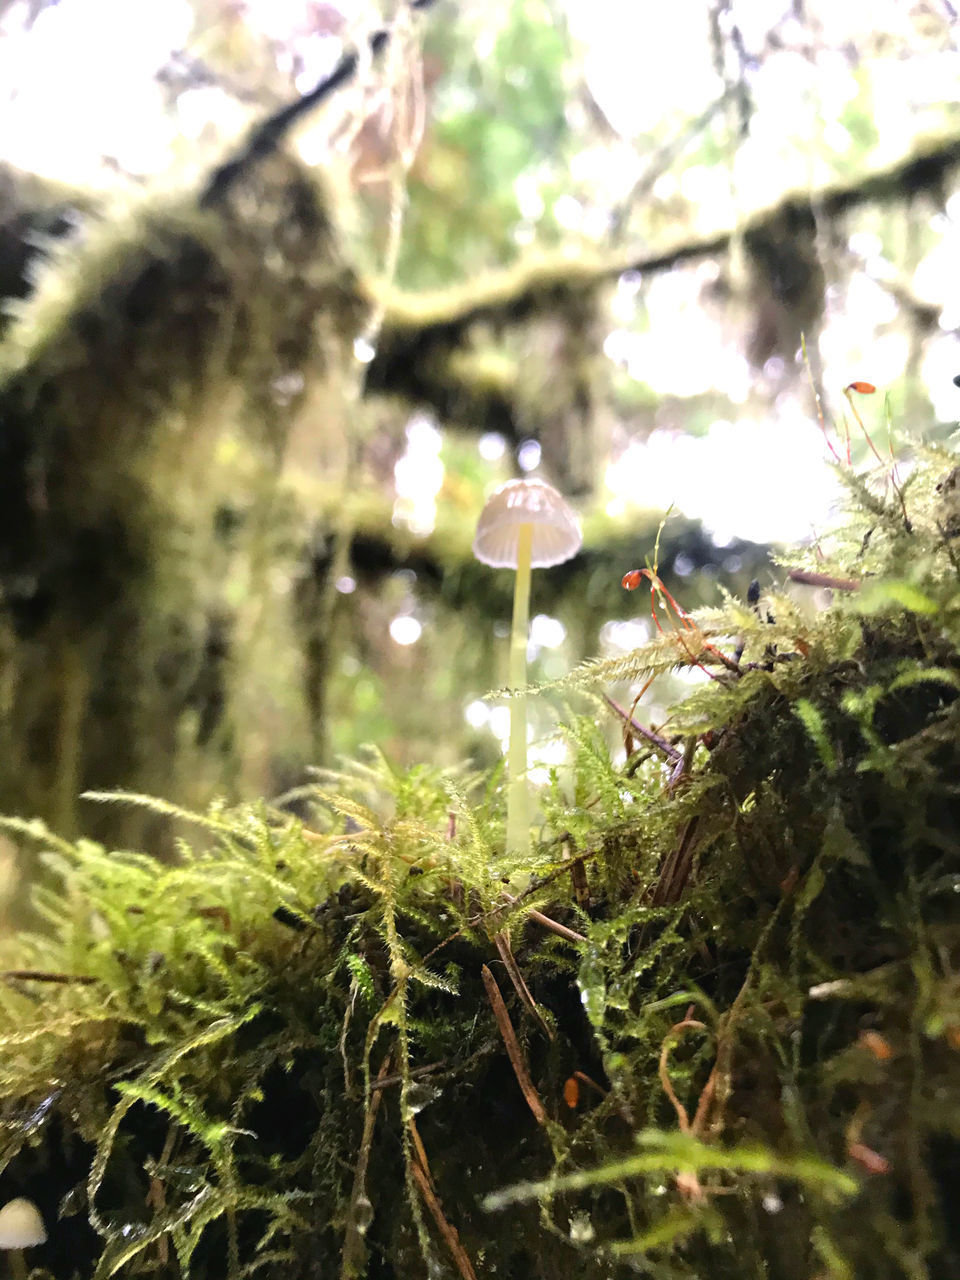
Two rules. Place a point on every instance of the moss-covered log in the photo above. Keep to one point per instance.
(711, 1028)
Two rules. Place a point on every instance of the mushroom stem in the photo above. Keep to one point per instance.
(518, 822)
(18, 1265)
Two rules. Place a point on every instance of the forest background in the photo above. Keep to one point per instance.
(587, 242)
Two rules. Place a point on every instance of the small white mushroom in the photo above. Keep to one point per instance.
(555, 529)
(525, 525)
(21, 1227)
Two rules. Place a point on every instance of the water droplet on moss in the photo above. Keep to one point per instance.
(593, 989)
(417, 1097)
(74, 1201)
(362, 1215)
(581, 1229)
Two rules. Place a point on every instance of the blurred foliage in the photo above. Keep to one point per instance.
(499, 114)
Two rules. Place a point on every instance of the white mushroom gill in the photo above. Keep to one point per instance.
(21, 1227)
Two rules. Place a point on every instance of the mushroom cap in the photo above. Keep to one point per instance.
(21, 1226)
(556, 530)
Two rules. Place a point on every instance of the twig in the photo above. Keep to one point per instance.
(549, 923)
(681, 769)
(387, 1082)
(578, 875)
(446, 1229)
(512, 1046)
(590, 1083)
(534, 887)
(566, 868)
(676, 869)
(516, 977)
(811, 579)
(723, 658)
(351, 1261)
(419, 1150)
(555, 926)
(156, 1198)
(654, 739)
(269, 133)
(40, 975)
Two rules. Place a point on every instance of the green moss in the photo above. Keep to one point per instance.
(238, 1064)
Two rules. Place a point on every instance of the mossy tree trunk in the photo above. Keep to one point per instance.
(145, 354)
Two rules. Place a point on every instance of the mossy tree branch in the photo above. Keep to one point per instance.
(420, 354)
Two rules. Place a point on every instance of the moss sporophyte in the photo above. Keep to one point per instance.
(525, 525)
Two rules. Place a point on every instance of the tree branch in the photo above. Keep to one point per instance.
(421, 331)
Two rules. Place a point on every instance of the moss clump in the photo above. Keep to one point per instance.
(730, 1038)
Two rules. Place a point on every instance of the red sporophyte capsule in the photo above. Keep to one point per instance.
(571, 1092)
(868, 1158)
(632, 579)
(864, 388)
(877, 1044)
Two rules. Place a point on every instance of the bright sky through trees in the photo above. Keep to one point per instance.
(79, 86)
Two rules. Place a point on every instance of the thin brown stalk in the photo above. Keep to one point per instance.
(817, 400)
(648, 735)
(446, 1229)
(864, 388)
(41, 975)
(578, 878)
(156, 1198)
(676, 869)
(567, 867)
(688, 1184)
(516, 977)
(724, 659)
(534, 887)
(810, 579)
(351, 1261)
(396, 1078)
(688, 1022)
(419, 1150)
(549, 923)
(590, 1083)
(512, 1046)
(705, 1102)
(555, 926)
(681, 769)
